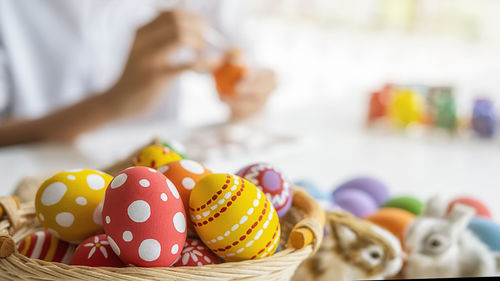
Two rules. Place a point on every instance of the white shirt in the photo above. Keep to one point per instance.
(56, 52)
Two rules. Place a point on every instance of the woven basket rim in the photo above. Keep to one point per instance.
(20, 221)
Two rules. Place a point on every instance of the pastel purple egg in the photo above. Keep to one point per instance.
(357, 202)
(374, 188)
(272, 182)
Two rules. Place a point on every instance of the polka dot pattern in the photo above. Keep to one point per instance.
(149, 250)
(184, 175)
(139, 211)
(147, 220)
(119, 181)
(53, 193)
(70, 202)
(96, 182)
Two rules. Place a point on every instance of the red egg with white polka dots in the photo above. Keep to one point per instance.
(195, 253)
(184, 174)
(144, 218)
(96, 251)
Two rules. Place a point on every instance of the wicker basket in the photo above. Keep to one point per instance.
(302, 233)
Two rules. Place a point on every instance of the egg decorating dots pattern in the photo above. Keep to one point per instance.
(69, 204)
(144, 218)
(96, 251)
(184, 174)
(234, 218)
(272, 182)
(154, 156)
(45, 246)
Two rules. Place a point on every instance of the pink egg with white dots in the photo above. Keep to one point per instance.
(272, 182)
(144, 218)
(195, 253)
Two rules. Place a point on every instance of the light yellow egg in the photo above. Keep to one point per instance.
(406, 107)
(234, 218)
(69, 204)
(155, 156)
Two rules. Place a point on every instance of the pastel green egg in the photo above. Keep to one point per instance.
(408, 203)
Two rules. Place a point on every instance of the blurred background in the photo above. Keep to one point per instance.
(329, 56)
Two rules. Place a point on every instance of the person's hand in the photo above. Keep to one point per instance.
(252, 93)
(148, 70)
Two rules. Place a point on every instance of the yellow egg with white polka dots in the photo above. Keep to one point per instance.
(69, 204)
(155, 156)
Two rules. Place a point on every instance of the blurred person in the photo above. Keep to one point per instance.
(69, 66)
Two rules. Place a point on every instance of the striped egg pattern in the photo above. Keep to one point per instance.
(45, 246)
(234, 218)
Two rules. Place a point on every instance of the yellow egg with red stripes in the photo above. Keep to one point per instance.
(234, 218)
(155, 156)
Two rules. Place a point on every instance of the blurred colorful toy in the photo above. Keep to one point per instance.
(442, 108)
(361, 196)
(324, 199)
(374, 188)
(379, 101)
(230, 72)
(407, 203)
(406, 107)
(484, 118)
(480, 208)
(393, 219)
(487, 231)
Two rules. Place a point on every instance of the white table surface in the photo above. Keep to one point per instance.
(319, 106)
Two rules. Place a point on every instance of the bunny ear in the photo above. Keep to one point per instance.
(435, 207)
(346, 235)
(460, 216)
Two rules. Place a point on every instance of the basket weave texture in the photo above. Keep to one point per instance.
(20, 221)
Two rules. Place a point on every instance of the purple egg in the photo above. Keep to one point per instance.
(356, 202)
(372, 187)
(272, 182)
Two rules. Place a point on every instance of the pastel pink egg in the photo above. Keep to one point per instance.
(272, 182)
(144, 218)
(96, 251)
(195, 253)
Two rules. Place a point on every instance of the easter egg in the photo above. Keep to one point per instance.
(154, 156)
(324, 199)
(144, 218)
(177, 147)
(45, 246)
(69, 204)
(96, 251)
(487, 231)
(392, 219)
(184, 174)
(377, 190)
(272, 182)
(410, 204)
(484, 118)
(481, 209)
(195, 253)
(356, 202)
(234, 218)
(406, 107)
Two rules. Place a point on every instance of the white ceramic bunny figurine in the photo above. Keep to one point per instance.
(440, 245)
